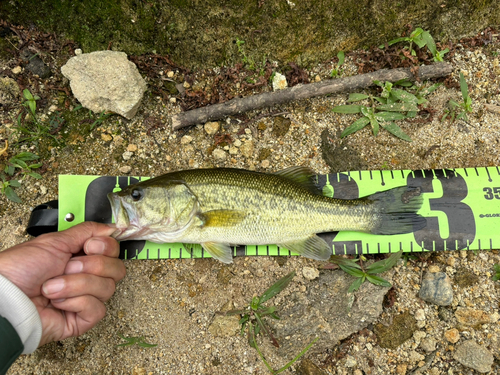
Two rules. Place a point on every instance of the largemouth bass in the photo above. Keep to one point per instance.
(218, 208)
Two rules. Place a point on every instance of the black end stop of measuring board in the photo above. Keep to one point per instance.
(43, 219)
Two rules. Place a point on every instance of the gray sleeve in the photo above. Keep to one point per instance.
(17, 308)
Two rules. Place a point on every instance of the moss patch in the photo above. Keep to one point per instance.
(398, 332)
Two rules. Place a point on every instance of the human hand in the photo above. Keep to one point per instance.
(68, 292)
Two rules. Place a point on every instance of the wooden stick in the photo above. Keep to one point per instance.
(331, 86)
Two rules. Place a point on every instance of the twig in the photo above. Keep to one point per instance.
(4, 150)
(237, 105)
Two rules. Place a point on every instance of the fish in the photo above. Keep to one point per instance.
(222, 207)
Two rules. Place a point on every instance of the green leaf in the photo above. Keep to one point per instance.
(397, 40)
(10, 169)
(404, 96)
(463, 87)
(398, 107)
(355, 126)
(35, 175)
(18, 163)
(11, 195)
(357, 97)
(377, 280)
(353, 271)
(35, 166)
(403, 82)
(14, 183)
(396, 130)
(454, 103)
(254, 305)
(277, 287)
(351, 108)
(389, 116)
(385, 264)
(26, 156)
(27, 95)
(356, 284)
(375, 125)
(341, 57)
(429, 41)
(380, 100)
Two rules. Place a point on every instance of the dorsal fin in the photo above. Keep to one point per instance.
(303, 176)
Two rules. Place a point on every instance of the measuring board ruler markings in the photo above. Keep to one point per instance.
(461, 206)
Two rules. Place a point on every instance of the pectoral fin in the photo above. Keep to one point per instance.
(222, 218)
(310, 247)
(219, 251)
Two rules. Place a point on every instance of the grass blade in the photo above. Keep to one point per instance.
(277, 287)
(463, 87)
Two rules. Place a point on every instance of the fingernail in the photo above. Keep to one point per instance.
(95, 246)
(53, 286)
(74, 266)
(58, 300)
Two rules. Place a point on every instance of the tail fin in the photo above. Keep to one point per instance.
(397, 211)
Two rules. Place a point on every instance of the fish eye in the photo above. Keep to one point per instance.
(137, 195)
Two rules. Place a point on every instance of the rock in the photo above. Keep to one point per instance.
(17, 70)
(132, 148)
(35, 64)
(186, 139)
(433, 268)
(445, 314)
(465, 278)
(78, 51)
(401, 369)
(225, 325)
(219, 154)
(472, 355)
(350, 361)
(416, 356)
(105, 81)
(428, 344)
(212, 127)
(310, 273)
(281, 125)
(237, 143)
(340, 156)
(125, 169)
(420, 314)
(308, 367)
(247, 149)
(321, 312)
(279, 82)
(233, 150)
(170, 74)
(127, 155)
(9, 91)
(452, 335)
(472, 317)
(398, 332)
(436, 289)
(106, 137)
(265, 163)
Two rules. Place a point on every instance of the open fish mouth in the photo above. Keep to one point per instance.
(126, 227)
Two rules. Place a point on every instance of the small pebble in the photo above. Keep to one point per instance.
(452, 335)
(310, 273)
(125, 169)
(212, 127)
(401, 369)
(172, 100)
(317, 78)
(233, 150)
(350, 361)
(279, 82)
(433, 268)
(186, 85)
(132, 148)
(472, 355)
(436, 288)
(247, 149)
(265, 163)
(127, 155)
(106, 137)
(170, 74)
(78, 51)
(17, 70)
(472, 317)
(237, 143)
(219, 154)
(420, 314)
(186, 139)
(428, 344)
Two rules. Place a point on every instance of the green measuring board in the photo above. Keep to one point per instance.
(462, 208)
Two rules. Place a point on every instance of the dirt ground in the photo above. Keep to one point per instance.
(173, 303)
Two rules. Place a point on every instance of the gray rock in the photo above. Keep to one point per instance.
(428, 344)
(106, 81)
(472, 355)
(326, 311)
(35, 64)
(436, 289)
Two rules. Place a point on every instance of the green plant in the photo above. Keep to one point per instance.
(369, 273)
(421, 38)
(253, 321)
(459, 110)
(246, 59)
(139, 341)
(496, 276)
(9, 181)
(30, 128)
(337, 71)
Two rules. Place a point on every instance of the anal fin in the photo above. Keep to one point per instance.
(312, 247)
(219, 251)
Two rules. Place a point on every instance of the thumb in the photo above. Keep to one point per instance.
(72, 240)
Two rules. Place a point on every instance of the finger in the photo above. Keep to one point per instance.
(102, 246)
(69, 286)
(72, 240)
(97, 265)
(88, 311)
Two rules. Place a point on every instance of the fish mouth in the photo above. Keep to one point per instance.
(127, 228)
